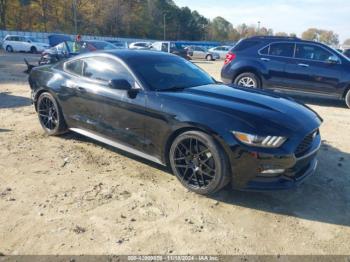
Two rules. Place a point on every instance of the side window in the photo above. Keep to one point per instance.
(312, 52)
(282, 49)
(265, 51)
(245, 44)
(75, 67)
(165, 47)
(105, 69)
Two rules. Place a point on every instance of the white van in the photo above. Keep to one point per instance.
(16, 43)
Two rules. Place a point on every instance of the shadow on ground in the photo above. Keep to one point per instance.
(324, 197)
(11, 101)
(5, 130)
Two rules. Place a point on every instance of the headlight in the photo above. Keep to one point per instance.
(260, 141)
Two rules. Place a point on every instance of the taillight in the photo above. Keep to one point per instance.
(229, 58)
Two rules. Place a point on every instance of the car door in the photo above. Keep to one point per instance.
(13, 42)
(314, 69)
(198, 53)
(274, 58)
(23, 44)
(96, 107)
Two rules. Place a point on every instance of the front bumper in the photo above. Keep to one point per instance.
(247, 173)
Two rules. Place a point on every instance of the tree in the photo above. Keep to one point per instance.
(220, 29)
(3, 7)
(281, 34)
(320, 35)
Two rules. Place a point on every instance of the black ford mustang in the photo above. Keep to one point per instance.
(167, 110)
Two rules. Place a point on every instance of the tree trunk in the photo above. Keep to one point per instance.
(3, 6)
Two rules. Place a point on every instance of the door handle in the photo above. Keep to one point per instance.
(265, 59)
(303, 65)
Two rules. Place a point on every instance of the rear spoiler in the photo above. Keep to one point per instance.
(29, 67)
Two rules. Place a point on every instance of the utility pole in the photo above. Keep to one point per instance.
(164, 23)
(75, 16)
(258, 27)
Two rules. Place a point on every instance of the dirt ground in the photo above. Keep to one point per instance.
(71, 195)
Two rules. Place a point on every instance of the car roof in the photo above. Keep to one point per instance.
(270, 39)
(125, 54)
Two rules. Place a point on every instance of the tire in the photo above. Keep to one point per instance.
(9, 49)
(209, 58)
(199, 162)
(33, 50)
(347, 98)
(248, 80)
(50, 115)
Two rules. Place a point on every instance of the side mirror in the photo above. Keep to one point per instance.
(333, 60)
(120, 84)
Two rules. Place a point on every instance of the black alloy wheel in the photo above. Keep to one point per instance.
(50, 116)
(199, 162)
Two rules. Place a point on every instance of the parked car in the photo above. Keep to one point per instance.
(347, 53)
(289, 65)
(140, 45)
(170, 47)
(16, 43)
(221, 50)
(69, 48)
(165, 109)
(54, 54)
(196, 52)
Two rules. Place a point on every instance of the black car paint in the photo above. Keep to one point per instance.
(285, 73)
(148, 120)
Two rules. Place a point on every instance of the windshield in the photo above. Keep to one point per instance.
(341, 54)
(166, 72)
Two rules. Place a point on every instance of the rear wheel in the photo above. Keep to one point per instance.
(347, 99)
(199, 162)
(9, 49)
(33, 50)
(249, 80)
(209, 58)
(50, 116)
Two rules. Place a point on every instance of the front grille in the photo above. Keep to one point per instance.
(306, 143)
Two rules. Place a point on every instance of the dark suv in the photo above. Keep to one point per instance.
(288, 64)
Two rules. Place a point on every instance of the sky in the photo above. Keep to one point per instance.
(291, 16)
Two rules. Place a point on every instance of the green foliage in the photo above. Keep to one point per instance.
(131, 18)
(320, 35)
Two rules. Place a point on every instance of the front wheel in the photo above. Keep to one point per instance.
(50, 115)
(248, 80)
(347, 99)
(9, 49)
(199, 162)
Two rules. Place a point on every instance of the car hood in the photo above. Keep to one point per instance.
(260, 110)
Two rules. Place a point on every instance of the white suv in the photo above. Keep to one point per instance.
(16, 43)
